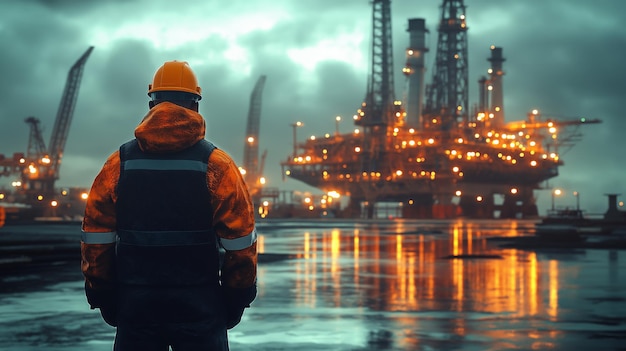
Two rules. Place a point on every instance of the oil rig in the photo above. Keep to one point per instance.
(34, 194)
(433, 155)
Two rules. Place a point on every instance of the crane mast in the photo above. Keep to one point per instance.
(251, 146)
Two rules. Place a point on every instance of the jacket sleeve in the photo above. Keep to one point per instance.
(98, 235)
(233, 220)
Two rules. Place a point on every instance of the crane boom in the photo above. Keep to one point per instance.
(65, 113)
(251, 146)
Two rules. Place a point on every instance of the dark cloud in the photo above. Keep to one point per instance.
(563, 57)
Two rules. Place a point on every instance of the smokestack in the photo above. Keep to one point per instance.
(483, 101)
(612, 213)
(495, 78)
(414, 70)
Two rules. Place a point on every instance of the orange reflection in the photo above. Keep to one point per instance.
(554, 290)
(403, 271)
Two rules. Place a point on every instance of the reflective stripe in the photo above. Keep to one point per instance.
(239, 243)
(98, 238)
(165, 238)
(166, 165)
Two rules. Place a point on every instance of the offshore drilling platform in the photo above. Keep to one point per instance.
(430, 154)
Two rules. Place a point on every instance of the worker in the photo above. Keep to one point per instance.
(158, 214)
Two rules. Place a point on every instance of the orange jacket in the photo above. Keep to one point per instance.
(168, 128)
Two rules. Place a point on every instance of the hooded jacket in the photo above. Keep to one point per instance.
(169, 128)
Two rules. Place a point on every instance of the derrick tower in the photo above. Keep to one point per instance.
(447, 96)
(379, 111)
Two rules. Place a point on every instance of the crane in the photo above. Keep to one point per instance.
(552, 129)
(39, 167)
(63, 120)
(254, 170)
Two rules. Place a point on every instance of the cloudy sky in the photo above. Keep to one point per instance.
(563, 57)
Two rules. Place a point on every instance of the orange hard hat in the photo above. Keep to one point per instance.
(175, 76)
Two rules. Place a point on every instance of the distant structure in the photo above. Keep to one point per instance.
(252, 166)
(253, 163)
(437, 157)
(38, 169)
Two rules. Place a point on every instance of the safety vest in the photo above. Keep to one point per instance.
(164, 218)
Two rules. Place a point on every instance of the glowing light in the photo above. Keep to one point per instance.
(458, 193)
(84, 196)
(513, 190)
(334, 194)
(262, 180)
(54, 203)
(250, 140)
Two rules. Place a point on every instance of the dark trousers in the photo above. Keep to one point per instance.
(180, 336)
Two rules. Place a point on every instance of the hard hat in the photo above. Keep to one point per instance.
(175, 76)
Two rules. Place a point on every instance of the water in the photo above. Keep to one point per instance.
(372, 285)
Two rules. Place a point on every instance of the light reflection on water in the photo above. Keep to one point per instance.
(380, 285)
(402, 269)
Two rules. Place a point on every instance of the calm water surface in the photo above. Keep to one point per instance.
(373, 285)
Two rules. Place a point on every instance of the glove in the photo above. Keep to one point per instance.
(236, 301)
(105, 300)
(109, 314)
(233, 316)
